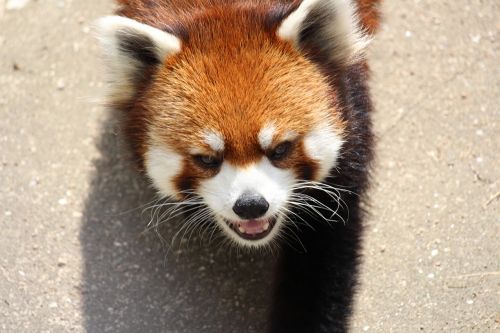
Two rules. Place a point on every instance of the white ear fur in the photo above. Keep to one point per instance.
(331, 26)
(129, 47)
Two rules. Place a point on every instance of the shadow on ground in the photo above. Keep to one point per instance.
(131, 283)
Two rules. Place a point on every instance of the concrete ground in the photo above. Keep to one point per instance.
(73, 254)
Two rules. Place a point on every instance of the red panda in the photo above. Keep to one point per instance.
(257, 111)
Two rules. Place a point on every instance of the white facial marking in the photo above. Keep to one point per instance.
(221, 192)
(266, 135)
(162, 165)
(340, 33)
(323, 144)
(289, 136)
(214, 139)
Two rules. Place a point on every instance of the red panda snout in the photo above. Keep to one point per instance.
(210, 170)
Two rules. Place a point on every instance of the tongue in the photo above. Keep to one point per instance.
(253, 226)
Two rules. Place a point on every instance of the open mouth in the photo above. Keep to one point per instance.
(252, 229)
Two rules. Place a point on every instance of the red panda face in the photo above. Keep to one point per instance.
(234, 115)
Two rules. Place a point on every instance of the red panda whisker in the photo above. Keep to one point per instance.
(288, 211)
(295, 236)
(211, 227)
(335, 196)
(337, 188)
(330, 193)
(310, 198)
(306, 201)
(150, 206)
(171, 210)
(194, 225)
(156, 223)
(306, 206)
(334, 212)
(318, 187)
(214, 229)
(182, 204)
(165, 204)
(136, 208)
(162, 219)
(199, 216)
(200, 221)
(185, 226)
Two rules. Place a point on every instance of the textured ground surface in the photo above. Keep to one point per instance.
(73, 255)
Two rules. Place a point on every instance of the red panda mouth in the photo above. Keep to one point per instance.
(252, 229)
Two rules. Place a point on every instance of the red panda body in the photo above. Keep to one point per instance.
(259, 113)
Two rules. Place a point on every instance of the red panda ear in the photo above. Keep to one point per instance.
(330, 27)
(130, 48)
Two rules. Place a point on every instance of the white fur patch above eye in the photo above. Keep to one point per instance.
(323, 145)
(289, 136)
(162, 166)
(129, 46)
(214, 139)
(333, 27)
(266, 135)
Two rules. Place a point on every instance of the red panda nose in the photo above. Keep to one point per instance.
(250, 206)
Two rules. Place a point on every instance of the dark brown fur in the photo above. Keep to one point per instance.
(313, 290)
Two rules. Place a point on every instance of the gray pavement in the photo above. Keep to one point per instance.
(74, 256)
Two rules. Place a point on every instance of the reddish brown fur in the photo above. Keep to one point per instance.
(369, 13)
(234, 76)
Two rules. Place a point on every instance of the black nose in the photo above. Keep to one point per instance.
(250, 206)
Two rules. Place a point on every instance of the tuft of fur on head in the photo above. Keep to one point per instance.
(130, 47)
(330, 27)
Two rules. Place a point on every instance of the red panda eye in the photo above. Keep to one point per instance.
(281, 151)
(207, 161)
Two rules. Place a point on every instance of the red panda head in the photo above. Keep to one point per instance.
(227, 106)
